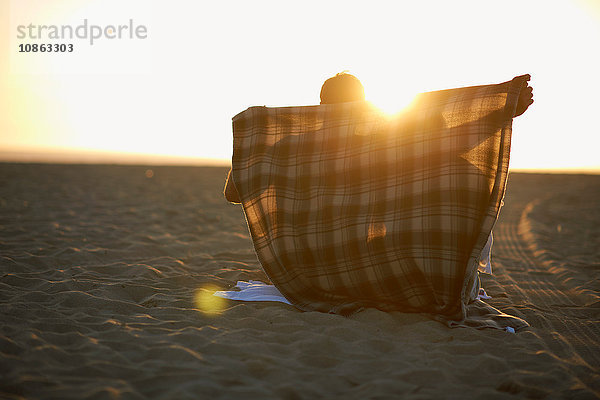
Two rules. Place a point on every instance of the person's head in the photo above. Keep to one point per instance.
(341, 88)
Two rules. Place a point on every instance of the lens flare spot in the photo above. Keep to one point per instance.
(207, 303)
(149, 173)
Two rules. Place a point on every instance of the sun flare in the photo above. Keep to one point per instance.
(393, 103)
(207, 303)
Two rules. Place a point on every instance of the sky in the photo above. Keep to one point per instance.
(173, 92)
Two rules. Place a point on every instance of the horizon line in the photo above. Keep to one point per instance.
(106, 157)
(90, 156)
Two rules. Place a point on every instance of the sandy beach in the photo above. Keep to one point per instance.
(107, 275)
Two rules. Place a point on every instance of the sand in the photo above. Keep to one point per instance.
(106, 275)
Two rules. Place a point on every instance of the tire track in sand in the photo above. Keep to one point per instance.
(537, 284)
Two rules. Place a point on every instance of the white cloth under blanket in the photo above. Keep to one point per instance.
(253, 291)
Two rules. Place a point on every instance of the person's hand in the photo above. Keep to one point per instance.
(525, 99)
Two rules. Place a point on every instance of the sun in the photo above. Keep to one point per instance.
(389, 101)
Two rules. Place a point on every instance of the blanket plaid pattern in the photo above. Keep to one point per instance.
(350, 208)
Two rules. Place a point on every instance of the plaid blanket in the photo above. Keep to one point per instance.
(350, 208)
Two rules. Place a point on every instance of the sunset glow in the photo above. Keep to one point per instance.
(174, 93)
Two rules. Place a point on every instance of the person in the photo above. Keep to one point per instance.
(349, 208)
(344, 87)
